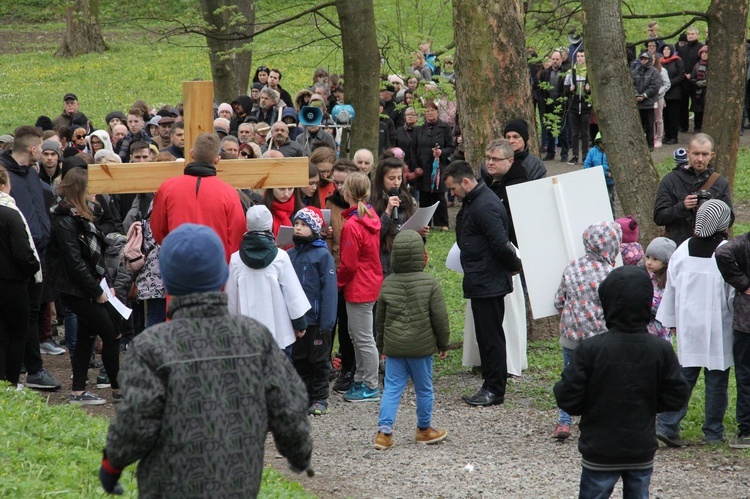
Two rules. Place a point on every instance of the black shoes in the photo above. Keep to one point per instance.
(669, 142)
(483, 398)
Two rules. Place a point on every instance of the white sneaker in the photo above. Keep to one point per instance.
(50, 347)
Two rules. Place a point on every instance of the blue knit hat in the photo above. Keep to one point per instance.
(192, 260)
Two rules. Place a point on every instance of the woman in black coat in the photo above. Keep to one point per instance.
(433, 140)
(76, 267)
(19, 263)
(673, 98)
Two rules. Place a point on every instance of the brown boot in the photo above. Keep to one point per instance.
(430, 436)
(383, 441)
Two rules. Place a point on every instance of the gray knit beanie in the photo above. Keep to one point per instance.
(713, 216)
(661, 248)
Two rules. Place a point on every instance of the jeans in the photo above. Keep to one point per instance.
(156, 311)
(668, 423)
(365, 351)
(564, 417)
(398, 370)
(741, 351)
(599, 484)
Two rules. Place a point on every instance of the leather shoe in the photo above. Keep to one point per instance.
(483, 398)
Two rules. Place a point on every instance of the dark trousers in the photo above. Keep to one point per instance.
(14, 327)
(94, 319)
(32, 357)
(579, 133)
(562, 139)
(671, 119)
(427, 198)
(687, 95)
(647, 122)
(741, 352)
(346, 347)
(488, 316)
(311, 358)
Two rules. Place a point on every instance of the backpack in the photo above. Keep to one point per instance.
(132, 254)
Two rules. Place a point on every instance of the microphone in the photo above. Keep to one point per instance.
(394, 192)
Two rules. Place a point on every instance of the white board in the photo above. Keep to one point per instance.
(549, 216)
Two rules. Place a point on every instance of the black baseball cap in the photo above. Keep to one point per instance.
(70, 97)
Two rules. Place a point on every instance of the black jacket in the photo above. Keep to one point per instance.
(423, 140)
(689, 53)
(669, 207)
(27, 190)
(554, 90)
(733, 260)
(676, 71)
(617, 381)
(533, 165)
(16, 254)
(516, 175)
(487, 258)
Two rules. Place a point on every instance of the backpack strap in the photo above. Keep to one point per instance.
(710, 181)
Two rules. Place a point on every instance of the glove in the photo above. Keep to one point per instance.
(109, 476)
(301, 466)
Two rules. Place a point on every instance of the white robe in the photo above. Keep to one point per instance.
(698, 303)
(272, 295)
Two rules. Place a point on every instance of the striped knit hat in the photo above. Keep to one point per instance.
(713, 216)
(312, 217)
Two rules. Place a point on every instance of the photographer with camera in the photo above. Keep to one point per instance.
(683, 190)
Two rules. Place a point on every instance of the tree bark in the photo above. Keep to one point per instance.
(82, 32)
(361, 71)
(725, 95)
(613, 97)
(492, 75)
(230, 62)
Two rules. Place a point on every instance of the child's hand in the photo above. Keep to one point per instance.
(300, 334)
(442, 354)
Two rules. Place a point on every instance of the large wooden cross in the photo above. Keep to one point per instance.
(199, 118)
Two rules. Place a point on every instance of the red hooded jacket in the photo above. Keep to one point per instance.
(360, 273)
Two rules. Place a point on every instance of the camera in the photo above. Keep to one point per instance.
(702, 195)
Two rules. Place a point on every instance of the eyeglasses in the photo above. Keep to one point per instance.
(245, 154)
(448, 63)
(492, 159)
(80, 136)
(263, 69)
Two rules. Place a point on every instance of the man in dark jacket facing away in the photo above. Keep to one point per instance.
(201, 392)
(617, 382)
(489, 261)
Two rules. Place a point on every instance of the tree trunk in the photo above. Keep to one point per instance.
(725, 97)
(492, 75)
(361, 71)
(613, 96)
(82, 32)
(230, 63)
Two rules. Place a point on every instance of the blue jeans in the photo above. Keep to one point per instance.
(564, 417)
(156, 311)
(599, 484)
(398, 370)
(668, 423)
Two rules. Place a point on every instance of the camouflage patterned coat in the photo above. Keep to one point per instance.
(200, 393)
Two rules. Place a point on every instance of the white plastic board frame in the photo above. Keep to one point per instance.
(549, 216)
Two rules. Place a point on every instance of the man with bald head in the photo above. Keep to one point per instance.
(364, 160)
(280, 141)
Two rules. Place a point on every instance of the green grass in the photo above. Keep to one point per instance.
(55, 451)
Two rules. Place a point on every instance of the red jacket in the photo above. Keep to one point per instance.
(360, 273)
(199, 199)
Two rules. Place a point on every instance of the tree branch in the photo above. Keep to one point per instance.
(667, 37)
(694, 13)
(294, 17)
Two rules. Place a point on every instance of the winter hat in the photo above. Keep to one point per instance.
(519, 126)
(713, 216)
(259, 219)
(72, 162)
(108, 156)
(257, 86)
(44, 123)
(225, 107)
(192, 260)
(398, 152)
(680, 157)
(396, 79)
(52, 145)
(702, 49)
(116, 114)
(629, 227)
(80, 119)
(312, 217)
(661, 248)
(683, 37)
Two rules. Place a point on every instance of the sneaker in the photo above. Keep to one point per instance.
(361, 393)
(430, 436)
(675, 441)
(318, 408)
(561, 431)
(344, 382)
(383, 441)
(86, 398)
(51, 347)
(102, 381)
(573, 161)
(42, 380)
(740, 442)
(117, 397)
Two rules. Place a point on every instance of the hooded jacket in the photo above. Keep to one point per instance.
(317, 275)
(581, 313)
(360, 274)
(411, 317)
(619, 381)
(647, 81)
(595, 157)
(27, 192)
(676, 71)
(294, 130)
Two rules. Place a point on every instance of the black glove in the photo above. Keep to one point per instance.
(109, 476)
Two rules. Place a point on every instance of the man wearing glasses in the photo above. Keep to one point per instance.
(70, 107)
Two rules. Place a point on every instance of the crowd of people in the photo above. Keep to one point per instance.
(208, 257)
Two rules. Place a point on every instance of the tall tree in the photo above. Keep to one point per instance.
(613, 96)
(82, 32)
(727, 24)
(229, 27)
(492, 83)
(361, 70)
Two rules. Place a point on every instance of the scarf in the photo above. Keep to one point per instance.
(667, 60)
(282, 213)
(89, 234)
(8, 201)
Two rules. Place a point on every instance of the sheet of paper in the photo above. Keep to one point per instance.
(326, 216)
(453, 261)
(421, 218)
(116, 303)
(284, 238)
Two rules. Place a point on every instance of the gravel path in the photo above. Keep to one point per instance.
(502, 451)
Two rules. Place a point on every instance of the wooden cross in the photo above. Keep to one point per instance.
(133, 178)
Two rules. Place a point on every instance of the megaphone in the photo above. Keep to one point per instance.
(343, 113)
(574, 39)
(310, 116)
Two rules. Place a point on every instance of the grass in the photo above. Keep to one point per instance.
(55, 450)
